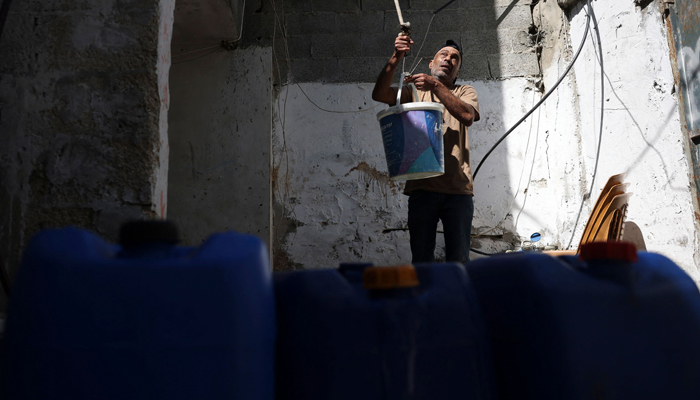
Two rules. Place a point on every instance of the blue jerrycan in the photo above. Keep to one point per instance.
(363, 332)
(142, 320)
(615, 324)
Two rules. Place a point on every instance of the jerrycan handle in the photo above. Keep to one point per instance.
(413, 89)
(393, 277)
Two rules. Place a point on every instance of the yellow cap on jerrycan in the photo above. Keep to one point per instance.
(390, 277)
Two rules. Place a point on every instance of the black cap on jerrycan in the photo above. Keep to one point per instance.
(147, 238)
(134, 233)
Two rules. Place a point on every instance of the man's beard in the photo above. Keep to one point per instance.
(439, 73)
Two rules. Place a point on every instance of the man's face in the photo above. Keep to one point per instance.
(445, 65)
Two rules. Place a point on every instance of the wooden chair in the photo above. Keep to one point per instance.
(610, 227)
(633, 234)
(607, 218)
(603, 205)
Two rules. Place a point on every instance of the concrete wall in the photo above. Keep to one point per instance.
(642, 134)
(81, 116)
(220, 128)
(220, 124)
(334, 201)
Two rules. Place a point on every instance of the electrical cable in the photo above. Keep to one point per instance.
(332, 111)
(196, 50)
(240, 36)
(482, 253)
(196, 58)
(417, 60)
(4, 10)
(5, 280)
(539, 103)
(522, 172)
(240, 32)
(290, 75)
(602, 115)
(590, 15)
(443, 7)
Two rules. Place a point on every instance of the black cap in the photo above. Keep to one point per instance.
(140, 232)
(453, 44)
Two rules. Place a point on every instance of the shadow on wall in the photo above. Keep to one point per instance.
(219, 125)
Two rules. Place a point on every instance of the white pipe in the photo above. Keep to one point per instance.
(398, 10)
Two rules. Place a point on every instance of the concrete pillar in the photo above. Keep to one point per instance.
(83, 117)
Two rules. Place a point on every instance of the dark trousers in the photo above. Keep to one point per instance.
(456, 212)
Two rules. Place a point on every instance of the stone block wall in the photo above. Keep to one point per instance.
(80, 116)
(351, 40)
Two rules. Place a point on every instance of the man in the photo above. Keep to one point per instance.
(448, 197)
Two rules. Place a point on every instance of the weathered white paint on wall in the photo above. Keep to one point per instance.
(159, 197)
(691, 66)
(342, 199)
(331, 179)
(531, 182)
(642, 133)
(563, 150)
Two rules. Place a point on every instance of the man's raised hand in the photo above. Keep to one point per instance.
(402, 44)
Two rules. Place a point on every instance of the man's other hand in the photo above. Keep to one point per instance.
(423, 82)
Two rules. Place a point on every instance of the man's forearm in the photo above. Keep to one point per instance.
(382, 89)
(458, 108)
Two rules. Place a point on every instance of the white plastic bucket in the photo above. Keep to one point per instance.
(412, 135)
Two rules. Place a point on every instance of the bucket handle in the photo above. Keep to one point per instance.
(413, 88)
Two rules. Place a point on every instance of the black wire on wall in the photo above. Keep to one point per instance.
(590, 15)
(4, 10)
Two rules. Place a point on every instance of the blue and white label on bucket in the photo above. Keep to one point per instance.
(413, 143)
